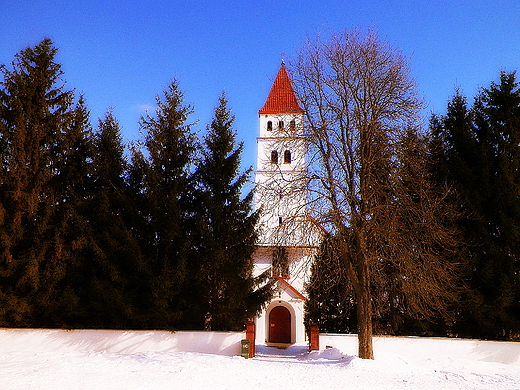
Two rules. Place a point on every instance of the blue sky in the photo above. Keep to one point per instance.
(121, 54)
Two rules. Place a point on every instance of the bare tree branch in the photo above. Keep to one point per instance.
(393, 230)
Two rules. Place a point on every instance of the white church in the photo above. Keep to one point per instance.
(288, 237)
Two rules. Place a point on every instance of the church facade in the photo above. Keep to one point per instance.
(288, 238)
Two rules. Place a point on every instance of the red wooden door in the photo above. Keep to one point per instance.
(280, 325)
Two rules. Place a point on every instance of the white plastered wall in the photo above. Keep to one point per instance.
(281, 193)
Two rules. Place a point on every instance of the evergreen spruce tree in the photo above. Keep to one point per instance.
(225, 232)
(330, 298)
(166, 174)
(418, 196)
(73, 185)
(36, 114)
(480, 153)
(139, 216)
(107, 273)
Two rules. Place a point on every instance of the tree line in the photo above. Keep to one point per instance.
(423, 223)
(95, 236)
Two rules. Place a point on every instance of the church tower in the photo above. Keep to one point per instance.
(286, 243)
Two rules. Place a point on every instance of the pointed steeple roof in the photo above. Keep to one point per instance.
(281, 99)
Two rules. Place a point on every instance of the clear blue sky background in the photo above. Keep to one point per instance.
(121, 54)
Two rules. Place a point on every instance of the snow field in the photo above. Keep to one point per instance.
(43, 359)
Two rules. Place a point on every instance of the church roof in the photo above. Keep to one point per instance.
(281, 99)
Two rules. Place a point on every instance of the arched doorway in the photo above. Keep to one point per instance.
(280, 325)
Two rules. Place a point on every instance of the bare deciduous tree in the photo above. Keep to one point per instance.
(368, 179)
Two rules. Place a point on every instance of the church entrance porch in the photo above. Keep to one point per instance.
(280, 325)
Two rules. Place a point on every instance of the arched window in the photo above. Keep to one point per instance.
(274, 157)
(287, 157)
(292, 125)
(269, 126)
(280, 125)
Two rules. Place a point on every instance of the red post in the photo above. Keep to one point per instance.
(314, 339)
(251, 335)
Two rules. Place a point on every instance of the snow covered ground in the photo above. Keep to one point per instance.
(26, 364)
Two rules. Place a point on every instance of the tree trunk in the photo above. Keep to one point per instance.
(364, 314)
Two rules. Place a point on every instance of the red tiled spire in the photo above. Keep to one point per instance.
(281, 99)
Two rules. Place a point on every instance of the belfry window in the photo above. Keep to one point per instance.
(274, 157)
(280, 125)
(292, 125)
(269, 126)
(287, 157)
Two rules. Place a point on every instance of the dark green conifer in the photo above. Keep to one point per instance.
(480, 153)
(225, 232)
(330, 298)
(170, 146)
(72, 185)
(109, 273)
(36, 114)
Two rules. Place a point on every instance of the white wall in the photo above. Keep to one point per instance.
(281, 188)
(412, 349)
(408, 349)
(55, 340)
(299, 260)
